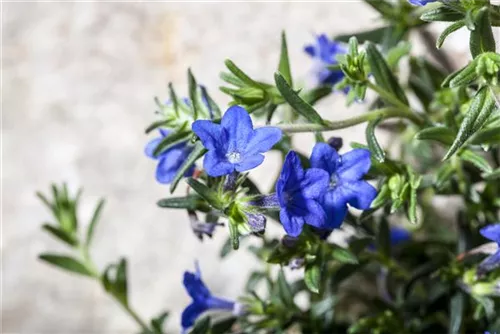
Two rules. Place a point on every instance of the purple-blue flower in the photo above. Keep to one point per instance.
(234, 144)
(346, 184)
(324, 52)
(299, 192)
(169, 161)
(491, 232)
(202, 300)
(397, 235)
(420, 2)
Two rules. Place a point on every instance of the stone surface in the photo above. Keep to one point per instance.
(78, 85)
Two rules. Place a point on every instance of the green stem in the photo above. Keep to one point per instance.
(367, 117)
(91, 267)
(394, 100)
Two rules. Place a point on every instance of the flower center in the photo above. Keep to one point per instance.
(333, 180)
(233, 157)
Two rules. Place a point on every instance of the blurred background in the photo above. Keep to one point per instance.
(79, 81)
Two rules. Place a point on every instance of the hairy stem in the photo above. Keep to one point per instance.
(342, 124)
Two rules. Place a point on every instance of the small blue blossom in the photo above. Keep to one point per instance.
(491, 232)
(169, 161)
(234, 144)
(420, 2)
(299, 193)
(324, 52)
(346, 181)
(202, 300)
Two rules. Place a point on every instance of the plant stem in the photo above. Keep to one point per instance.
(394, 100)
(91, 267)
(369, 116)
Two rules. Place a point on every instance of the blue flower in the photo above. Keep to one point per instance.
(202, 299)
(491, 232)
(298, 193)
(234, 144)
(346, 181)
(324, 52)
(169, 161)
(420, 2)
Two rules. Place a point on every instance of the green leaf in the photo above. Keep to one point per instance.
(312, 277)
(93, 221)
(382, 197)
(66, 263)
(171, 140)
(444, 174)
(344, 255)
(241, 75)
(371, 139)
(284, 290)
(198, 151)
(296, 102)
(155, 125)
(191, 202)
(476, 160)
(255, 278)
(481, 38)
(226, 248)
(441, 134)
(60, 234)
(487, 136)
(441, 14)
(396, 53)
(462, 77)
(114, 280)
(214, 108)
(494, 175)
(201, 326)
(448, 31)
(193, 95)
(284, 64)
(383, 74)
(208, 194)
(158, 322)
(457, 308)
(483, 104)
(173, 98)
(412, 206)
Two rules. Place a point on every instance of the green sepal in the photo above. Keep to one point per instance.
(191, 202)
(198, 151)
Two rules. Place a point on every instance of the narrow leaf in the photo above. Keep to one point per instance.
(241, 75)
(295, 101)
(476, 160)
(198, 151)
(371, 139)
(66, 263)
(383, 74)
(448, 31)
(344, 255)
(193, 95)
(441, 14)
(441, 134)
(284, 64)
(481, 107)
(93, 221)
(60, 234)
(312, 278)
(208, 194)
(457, 308)
(213, 108)
(481, 38)
(171, 140)
(191, 202)
(487, 136)
(284, 290)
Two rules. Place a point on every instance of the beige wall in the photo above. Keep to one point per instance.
(78, 82)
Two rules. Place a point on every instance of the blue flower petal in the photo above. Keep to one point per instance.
(292, 225)
(491, 232)
(316, 216)
(263, 139)
(310, 50)
(170, 162)
(490, 263)
(315, 183)
(325, 157)
(238, 125)
(220, 304)
(360, 194)
(399, 235)
(292, 168)
(195, 287)
(210, 134)
(249, 162)
(217, 165)
(335, 205)
(151, 146)
(355, 164)
(191, 313)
